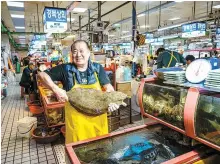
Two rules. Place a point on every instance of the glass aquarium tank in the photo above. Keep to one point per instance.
(145, 146)
(207, 118)
(165, 102)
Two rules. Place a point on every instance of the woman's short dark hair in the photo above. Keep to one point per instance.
(78, 41)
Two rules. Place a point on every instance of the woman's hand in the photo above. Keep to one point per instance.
(60, 94)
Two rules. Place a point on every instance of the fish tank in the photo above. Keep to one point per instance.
(207, 118)
(155, 144)
(165, 102)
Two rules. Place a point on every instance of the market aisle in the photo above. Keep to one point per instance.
(13, 148)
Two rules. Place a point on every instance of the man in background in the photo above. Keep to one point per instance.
(167, 58)
(189, 59)
(27, 78)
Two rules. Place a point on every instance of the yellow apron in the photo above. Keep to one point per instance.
(79, 126)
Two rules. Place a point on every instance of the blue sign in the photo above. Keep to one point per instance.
(193, 27)
(55, 15)
(149, 36)
(218, 30)
(39, 37)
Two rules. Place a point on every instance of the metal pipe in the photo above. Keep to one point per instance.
(99, 10)
(109, 12)
(194, 10)
(159, 14)
(53, 3)
(89, 15)
(34, 25)
(148, 14)
(164, 5)
(207, 8)
(80, 26)
(38, 19)
(211, 7)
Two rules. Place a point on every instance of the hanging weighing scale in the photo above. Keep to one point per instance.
(198, 71)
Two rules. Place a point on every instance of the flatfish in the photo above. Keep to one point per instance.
(94, 102)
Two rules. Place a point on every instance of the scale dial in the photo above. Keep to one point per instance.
(198, 71)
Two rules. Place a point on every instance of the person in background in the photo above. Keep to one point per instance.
(26, 60)
(168, 58)
(27, 78)
(15, 60)
(189, 59)
(40, 68)
(81, 73)
(151, 61)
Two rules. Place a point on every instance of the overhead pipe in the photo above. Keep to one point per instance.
(107, 13)
(163, 6)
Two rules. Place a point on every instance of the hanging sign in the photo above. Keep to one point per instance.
(194, 30)
(193, 27)
(55, 20)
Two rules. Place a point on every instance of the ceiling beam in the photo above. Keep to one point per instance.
(107, 13)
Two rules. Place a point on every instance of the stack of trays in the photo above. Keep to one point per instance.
(175, 77)
(213, 79)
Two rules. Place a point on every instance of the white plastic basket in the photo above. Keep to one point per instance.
(25, 126)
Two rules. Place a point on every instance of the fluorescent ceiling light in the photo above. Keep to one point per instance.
(117, 25)
(111, 35)
(127, 36)
(141, 15)
(72, 19)
(125, 31)
(71, 36)
(15, 4)
(178, 1)
(216, 7)
(175, 18)
(17, 16)
(169, 27)
(18, 27)
(143, 26)
(21, 37)
(79, 10)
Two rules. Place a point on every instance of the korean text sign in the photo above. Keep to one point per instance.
(55, 15)
(194, 27)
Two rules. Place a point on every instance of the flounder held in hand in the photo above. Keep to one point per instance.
(94, 102)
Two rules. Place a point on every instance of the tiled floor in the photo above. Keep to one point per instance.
(16, 150)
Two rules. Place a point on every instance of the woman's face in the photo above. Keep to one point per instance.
(80, 53)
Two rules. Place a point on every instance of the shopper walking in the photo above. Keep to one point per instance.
(168, 58)
(82, 73)
(27, 78)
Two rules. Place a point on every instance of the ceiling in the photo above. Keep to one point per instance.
(33, 15)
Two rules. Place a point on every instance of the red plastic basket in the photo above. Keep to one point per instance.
(35, 108)
(63, 130)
